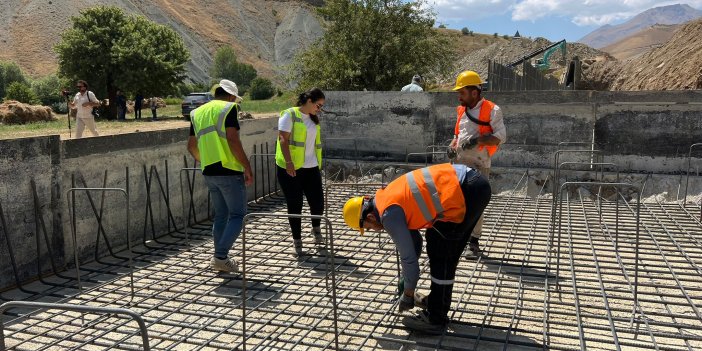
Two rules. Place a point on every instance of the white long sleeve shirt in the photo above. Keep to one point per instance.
(467, 128)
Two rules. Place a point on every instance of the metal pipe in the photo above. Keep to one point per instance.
(75, 308)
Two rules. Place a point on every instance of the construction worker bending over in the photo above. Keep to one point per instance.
(214, 142)
(445, 199)
(479, 131)
(298, 155)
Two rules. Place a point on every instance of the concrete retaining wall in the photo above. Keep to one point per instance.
(124, 161)
(640, 131)
(648, 132)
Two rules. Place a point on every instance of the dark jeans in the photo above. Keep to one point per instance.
(153, 113)
(446, 242)
(123, 112)
(307, 182)
(137, 112)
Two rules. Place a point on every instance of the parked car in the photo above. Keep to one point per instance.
(193, 101)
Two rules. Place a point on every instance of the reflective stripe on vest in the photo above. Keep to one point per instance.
(425, 195)
(297, 141)
(296, 119)
(210, 131)
(484, 116)
(417, 194)
(219, 128)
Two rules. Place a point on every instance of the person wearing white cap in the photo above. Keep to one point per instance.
(414, 86)
(214, 142)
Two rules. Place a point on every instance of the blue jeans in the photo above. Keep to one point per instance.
(228, 195)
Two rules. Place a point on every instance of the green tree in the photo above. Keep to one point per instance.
(10, 72)
(261, 89)
(226, 66)
(465, 31)
(48, 90)
(114, 51)
(21, 92)
(357, 53)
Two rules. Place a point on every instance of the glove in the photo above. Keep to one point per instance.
(471, 143)
(451, 153)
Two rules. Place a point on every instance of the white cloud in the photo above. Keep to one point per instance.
(470, 9)
(580, 12)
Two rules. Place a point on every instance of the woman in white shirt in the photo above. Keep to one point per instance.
(299, 159)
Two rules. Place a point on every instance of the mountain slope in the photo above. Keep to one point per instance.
(673, 66)
(264, 33)
(672, 14)
(641, 41)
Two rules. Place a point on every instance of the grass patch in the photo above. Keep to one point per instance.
(173, 101)
(272, 105)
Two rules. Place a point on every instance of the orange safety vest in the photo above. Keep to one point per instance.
(484, 116)
(426, 195)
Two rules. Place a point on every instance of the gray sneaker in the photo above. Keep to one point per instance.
(225, 265)
(318, 238)
(298, 246)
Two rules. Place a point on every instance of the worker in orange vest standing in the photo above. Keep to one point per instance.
(479, 132)
(447, 200)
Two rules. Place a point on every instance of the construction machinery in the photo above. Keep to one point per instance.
(543, 63)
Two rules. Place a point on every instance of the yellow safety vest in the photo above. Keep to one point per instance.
(208, 122)
(298, 139)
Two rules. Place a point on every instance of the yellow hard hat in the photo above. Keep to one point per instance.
(352, 212)
(468, 78)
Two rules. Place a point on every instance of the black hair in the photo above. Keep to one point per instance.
(474, 87)
(220, 93)
(314, 95)
(368, 207)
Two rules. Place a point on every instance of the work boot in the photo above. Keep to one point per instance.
(474, 246)
(423, 324)
(318, 238)
(407, 303)
(298, 246)
(224, 265)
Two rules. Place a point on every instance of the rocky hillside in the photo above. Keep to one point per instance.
(264, 33)
(642, 41)
(506, 51)
(673, 66)
(672, 14)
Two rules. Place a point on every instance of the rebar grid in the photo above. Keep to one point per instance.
(513, 297)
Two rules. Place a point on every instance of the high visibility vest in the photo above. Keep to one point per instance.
(297, 141)
(484, 127)
(208, 123)
(426, 195)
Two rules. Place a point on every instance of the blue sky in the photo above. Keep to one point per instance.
(552, 19)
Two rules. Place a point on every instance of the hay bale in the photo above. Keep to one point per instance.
(14, 112)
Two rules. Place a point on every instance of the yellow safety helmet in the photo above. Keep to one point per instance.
(352, 212)
(468, 78)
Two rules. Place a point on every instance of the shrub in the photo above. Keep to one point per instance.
(465, 31)
(261, 89)
(48, 91)
(173, 101)
(22, 93)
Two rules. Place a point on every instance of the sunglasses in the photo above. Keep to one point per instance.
(80, 86)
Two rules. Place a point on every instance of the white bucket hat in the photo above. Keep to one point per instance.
(228, 86)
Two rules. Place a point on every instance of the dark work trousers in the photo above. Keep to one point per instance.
(308, 182)
(137, 112)
(446, 242)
